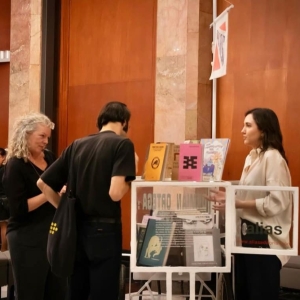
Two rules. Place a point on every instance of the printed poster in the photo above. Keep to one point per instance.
(219, 64)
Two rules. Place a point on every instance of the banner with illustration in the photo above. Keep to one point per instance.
(219, 48)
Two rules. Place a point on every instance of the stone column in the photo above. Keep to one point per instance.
(25, 61)
(183, 40)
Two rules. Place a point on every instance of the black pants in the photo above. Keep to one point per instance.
(257, 277)
(97, 263)
(33, 278)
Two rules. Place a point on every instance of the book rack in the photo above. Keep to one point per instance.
(170, 193)
(150, 196)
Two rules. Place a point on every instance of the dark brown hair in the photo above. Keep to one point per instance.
(267, 121)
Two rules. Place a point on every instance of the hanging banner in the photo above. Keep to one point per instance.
(219, 63)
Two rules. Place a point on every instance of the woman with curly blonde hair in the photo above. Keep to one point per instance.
(30, 212)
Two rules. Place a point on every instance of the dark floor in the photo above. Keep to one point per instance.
(286, 294)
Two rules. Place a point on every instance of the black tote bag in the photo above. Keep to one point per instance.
(61, 247)
(62, 237)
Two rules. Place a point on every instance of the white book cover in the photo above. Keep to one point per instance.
(214, 157)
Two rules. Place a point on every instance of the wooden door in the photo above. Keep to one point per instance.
(107, 53)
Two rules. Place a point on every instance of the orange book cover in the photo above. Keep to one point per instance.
(155, 161)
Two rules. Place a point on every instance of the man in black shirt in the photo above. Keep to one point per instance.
(103, 166)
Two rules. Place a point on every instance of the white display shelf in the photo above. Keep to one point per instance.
(295, 222)
(193, 274)
(170, 273)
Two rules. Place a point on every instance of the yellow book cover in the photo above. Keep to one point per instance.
(155, 161)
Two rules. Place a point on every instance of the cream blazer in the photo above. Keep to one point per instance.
(273, 209)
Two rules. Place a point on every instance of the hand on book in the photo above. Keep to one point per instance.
(218, 197)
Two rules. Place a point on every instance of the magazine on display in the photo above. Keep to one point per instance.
(190, 162)
(159, 161)
(156, 159)
(156, 243)
(202, 248)
(214, 156)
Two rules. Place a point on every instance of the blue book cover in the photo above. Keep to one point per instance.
(156, 244)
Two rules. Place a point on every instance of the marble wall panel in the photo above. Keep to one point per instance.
(171, 27)
(170, 99)
(176, 70)
(25, 63)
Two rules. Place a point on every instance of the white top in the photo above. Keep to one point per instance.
(273, 209)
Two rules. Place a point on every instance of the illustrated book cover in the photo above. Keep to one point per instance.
(202, 248)
(156, 243)
(214, 156)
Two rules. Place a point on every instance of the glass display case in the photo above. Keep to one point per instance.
(271, 227)
(175, 231)
(176, 234)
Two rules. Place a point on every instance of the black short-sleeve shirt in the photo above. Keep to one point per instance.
(95, 160)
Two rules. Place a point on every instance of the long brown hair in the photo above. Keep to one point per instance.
(267, 121)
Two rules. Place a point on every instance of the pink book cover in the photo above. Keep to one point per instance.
(190, 162)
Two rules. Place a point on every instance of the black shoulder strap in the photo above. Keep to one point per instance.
(71, 184)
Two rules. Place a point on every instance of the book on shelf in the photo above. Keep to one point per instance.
(175, 257)
(168, 164)
(138, 227)
(176, 151)
(160, 167)
(156, 243)
(214, 157)
(155, 162)
(202, 248)
(190, 162)
(141, 229)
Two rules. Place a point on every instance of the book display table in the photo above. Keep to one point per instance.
(176, 235)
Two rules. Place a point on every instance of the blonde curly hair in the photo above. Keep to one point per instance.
(23, 127)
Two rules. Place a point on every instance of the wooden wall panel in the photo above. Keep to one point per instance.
(4, 71)
(107, 53)
(4, 99)
(111, 41)
(263, 71)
